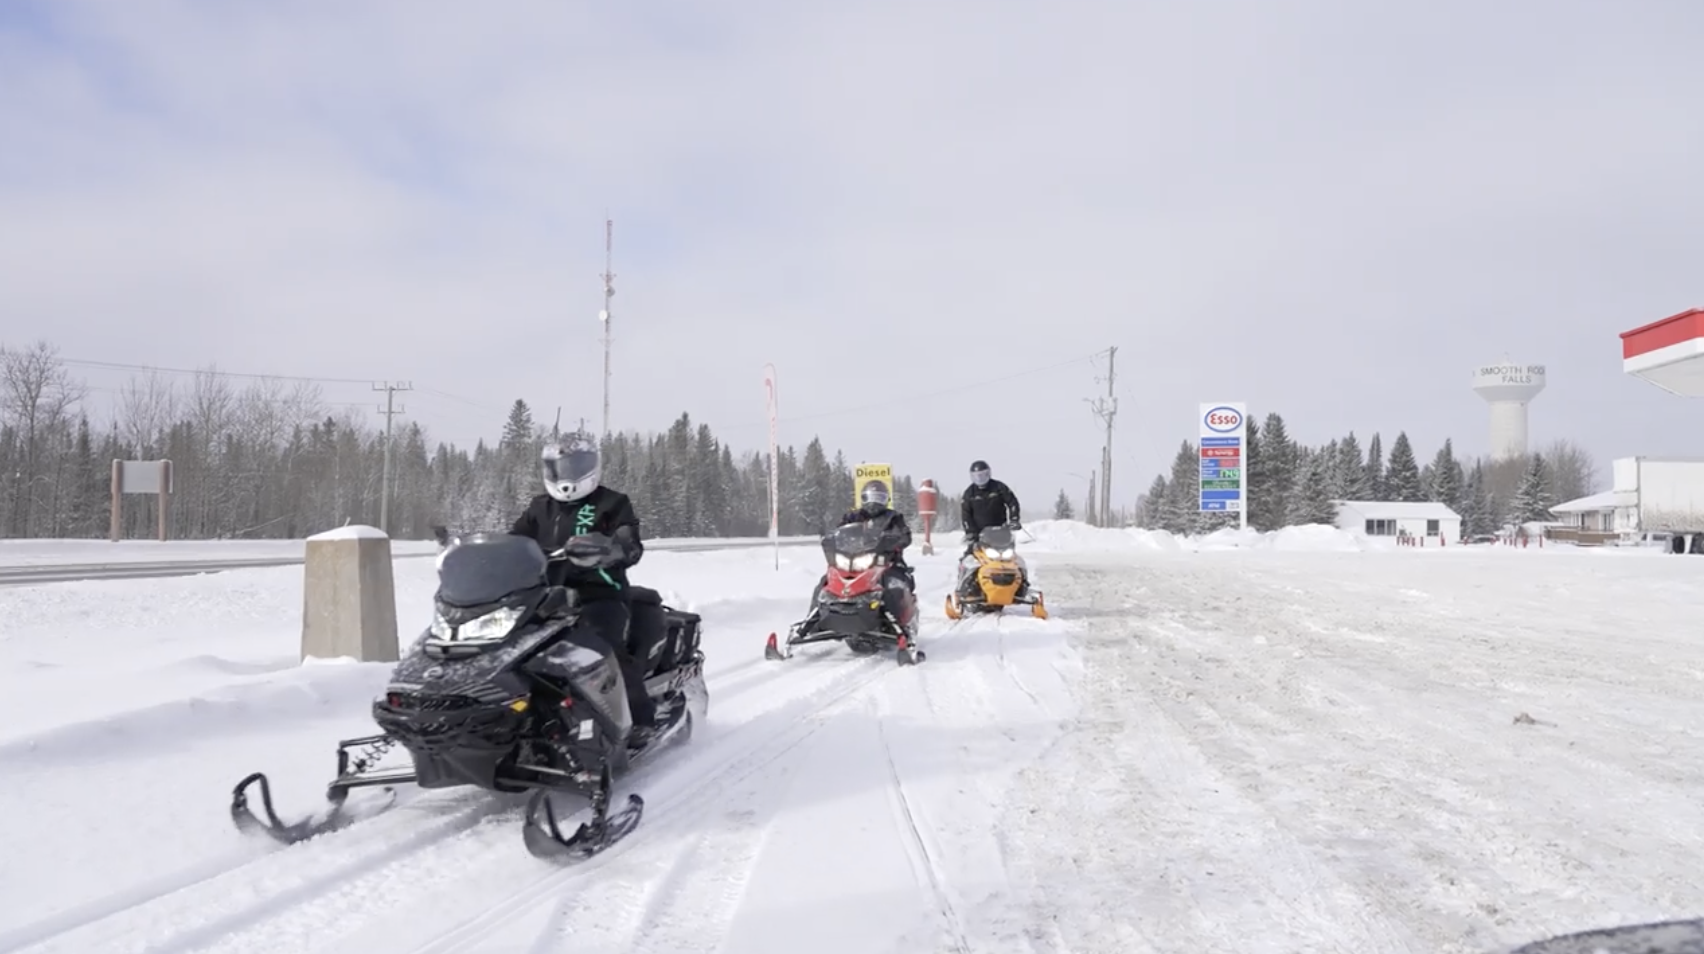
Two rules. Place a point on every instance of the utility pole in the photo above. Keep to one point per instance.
(390, 411)
(609, 292)
(1107, 409)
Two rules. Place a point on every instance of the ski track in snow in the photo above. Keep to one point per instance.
(1280, 759)
(443, 871)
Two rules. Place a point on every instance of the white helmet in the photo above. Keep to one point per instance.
(571, 469)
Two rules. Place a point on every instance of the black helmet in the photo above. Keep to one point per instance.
(979, 472)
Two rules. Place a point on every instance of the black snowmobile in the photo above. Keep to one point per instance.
(504, 692)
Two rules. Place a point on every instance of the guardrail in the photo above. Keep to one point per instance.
(156, 569)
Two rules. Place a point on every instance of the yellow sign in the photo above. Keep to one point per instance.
(865, 474)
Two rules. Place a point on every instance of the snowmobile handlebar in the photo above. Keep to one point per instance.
(587, 551)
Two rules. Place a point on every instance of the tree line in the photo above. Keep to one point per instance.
(1290, 484)
(272, 460)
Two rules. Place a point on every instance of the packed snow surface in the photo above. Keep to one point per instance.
(1287, 743)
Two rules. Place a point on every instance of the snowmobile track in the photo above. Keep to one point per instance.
(696, 791)
(247, 911)
(924, 866)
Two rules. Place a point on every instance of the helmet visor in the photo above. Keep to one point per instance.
(570, 465)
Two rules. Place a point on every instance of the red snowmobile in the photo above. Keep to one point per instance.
(854, 605)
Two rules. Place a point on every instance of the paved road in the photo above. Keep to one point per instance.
(30, 575)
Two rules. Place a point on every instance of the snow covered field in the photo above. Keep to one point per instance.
(70, 552)
(1240, 745)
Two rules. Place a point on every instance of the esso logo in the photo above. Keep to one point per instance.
(1223, 420)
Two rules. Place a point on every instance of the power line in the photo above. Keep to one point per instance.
(120, 366)
(957, 389)
(213, 372)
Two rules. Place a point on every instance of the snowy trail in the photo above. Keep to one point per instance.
(301, 892)
(445, 871)
(1322, 753)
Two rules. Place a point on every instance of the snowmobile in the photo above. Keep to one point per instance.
(849, 604)
(504, 692)
(1662, 937)
(993, 577)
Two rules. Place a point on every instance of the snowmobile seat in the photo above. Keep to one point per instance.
(647, 631)
(684, 629)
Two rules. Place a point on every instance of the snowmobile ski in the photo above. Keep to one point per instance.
(592, 838)
(907, 654)
(336, 816)
(773, 650)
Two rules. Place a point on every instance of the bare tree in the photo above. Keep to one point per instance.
(1573, 472)
(37, 396)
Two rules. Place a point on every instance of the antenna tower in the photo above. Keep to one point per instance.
(609, 292)
(1106, 409)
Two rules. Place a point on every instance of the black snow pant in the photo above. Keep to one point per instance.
(609, 617)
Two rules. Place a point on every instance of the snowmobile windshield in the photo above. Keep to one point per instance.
(996, 538)
(486, 567)
(855, 546)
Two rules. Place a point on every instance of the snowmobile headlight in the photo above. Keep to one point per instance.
(1005, 554)
(842, 561)
(489, 628)
(862, 563)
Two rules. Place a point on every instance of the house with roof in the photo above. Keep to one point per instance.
(1430, 523)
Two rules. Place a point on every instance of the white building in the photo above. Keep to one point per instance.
(1388, 518)
(1591, 514)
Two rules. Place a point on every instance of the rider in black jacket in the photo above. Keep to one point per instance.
(873, 508)
(574, 503)
(986, 503)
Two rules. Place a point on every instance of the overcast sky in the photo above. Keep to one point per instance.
(1334, 210)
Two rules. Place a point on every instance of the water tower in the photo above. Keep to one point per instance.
(1509, 388)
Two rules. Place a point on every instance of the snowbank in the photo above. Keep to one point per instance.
(1056, 536)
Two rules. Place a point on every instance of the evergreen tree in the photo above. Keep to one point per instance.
(1330, 474)
(1153, 503)
(1311, 502)
(1352, 469)
(1477, 516)
(1180, 508)
(1446, 481)
(1375, 487)
(1273, 477)
(1402, 478)
(1062, 506)
(1535, 497)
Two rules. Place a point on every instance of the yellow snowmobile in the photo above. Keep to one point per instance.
(998, 578)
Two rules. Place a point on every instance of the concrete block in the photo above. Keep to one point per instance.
(349, 596)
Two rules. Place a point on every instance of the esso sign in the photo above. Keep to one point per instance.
(1223, 420)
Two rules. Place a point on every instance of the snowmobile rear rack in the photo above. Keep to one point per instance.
(336, 794)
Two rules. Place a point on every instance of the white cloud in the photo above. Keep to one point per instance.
(885, 199)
